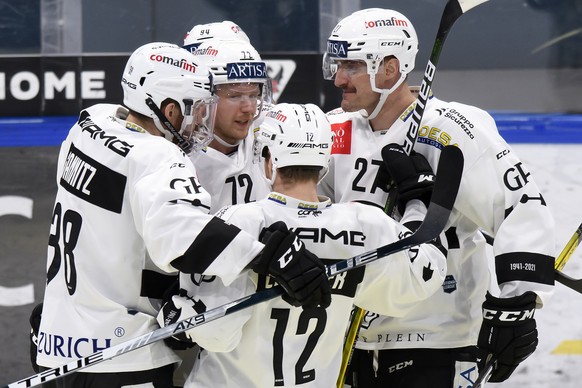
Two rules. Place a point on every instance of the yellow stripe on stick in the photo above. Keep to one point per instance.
(570, 247)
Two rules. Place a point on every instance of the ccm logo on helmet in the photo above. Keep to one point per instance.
(508, 316)
(386, 22)
(387, 43)
(182, 63)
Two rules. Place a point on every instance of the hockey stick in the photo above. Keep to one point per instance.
(575, 284)
(561, 260)
(442, 201)
(452, 11)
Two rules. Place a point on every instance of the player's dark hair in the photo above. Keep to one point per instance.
(299, 173)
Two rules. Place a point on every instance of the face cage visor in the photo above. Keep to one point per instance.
(336, 50)
(243, 92)
(352, 67)
(198, 124)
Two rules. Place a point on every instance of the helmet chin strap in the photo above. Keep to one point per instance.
(225, 143)
(164, 125)
(384, 93)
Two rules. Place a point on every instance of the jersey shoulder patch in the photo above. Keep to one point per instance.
(342, 137)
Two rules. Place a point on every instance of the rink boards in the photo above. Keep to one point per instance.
(514, 127)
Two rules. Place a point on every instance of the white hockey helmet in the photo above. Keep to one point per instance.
(159, 71)
(236, 62)
(232, 61)
(370, 35)
(225, 30)
(296, 135)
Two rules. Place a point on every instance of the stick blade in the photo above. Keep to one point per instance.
(468, 4)
(444, 194)
(449, 172)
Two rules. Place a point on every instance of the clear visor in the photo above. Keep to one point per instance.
(243, 93)
(331, 65)
(197, 126)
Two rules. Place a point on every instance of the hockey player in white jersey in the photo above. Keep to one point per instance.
(272, 344)
(129, 209)
(369, 56)
(239, 78)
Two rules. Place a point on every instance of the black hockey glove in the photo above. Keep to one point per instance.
(34, 320)
(412, 175)
(297, 270)
(508, 332)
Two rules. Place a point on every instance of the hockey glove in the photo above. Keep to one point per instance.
(412, 175)
(508, 332)
(170, 313)
(301, 274)
(35, 317)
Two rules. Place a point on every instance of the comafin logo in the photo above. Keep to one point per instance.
(182, 63)
(386, 22)
(277, 115)
(210, 51)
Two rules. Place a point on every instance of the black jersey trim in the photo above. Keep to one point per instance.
(206, 247)
(156, 285)
(524, 266)
(92, 181)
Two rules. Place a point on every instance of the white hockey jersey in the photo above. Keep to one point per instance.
(128, 205)
(231, 179)
(274, 344)
(497, 195)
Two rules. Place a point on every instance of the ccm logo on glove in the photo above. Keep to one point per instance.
(288, 256)
(508, 316)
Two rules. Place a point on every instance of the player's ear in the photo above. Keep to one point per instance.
(391, 67)
(170, 109)
(268, 166)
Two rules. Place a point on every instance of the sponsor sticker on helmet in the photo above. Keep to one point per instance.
(181, 63)
(278, 115)
(244, 70)
(386, 22)
(210, 51)
(337, 48)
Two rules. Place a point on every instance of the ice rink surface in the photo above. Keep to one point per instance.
(557, 169)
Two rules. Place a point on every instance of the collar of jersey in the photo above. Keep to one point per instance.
(121, 118)
(408, 111)
(134, 127)
(282, 199)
